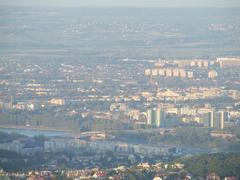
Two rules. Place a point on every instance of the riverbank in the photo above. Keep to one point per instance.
(35, 131)
(35, 128)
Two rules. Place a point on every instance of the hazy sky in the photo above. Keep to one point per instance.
(134, 3)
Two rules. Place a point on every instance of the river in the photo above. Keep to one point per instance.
(34, 132)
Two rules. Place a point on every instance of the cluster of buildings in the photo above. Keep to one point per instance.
(120, 148)
(191, 68)
(194, 63)
(82, 152)
(167, 72)
(228, 62)
(169, 117)
(30, 147)
(156, 171)
(124, 91)
(30, 105)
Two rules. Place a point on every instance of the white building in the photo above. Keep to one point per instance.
(212, 74)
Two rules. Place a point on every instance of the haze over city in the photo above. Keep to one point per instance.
(139, 90)
(125, 3)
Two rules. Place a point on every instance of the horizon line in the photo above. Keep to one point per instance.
(97, 6)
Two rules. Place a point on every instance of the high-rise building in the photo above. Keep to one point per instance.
(190, 74)
(147, 72)
(199, 63)
(149, 117)
(212, 74)
(169, 72)
(214, 120)
(193, 63)
(154, 72)
(175, 72)
(205, 63)
(228, 62)
(218, 122)
(161, 72)
(182, 73)
(155, 117)
(211, 119)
